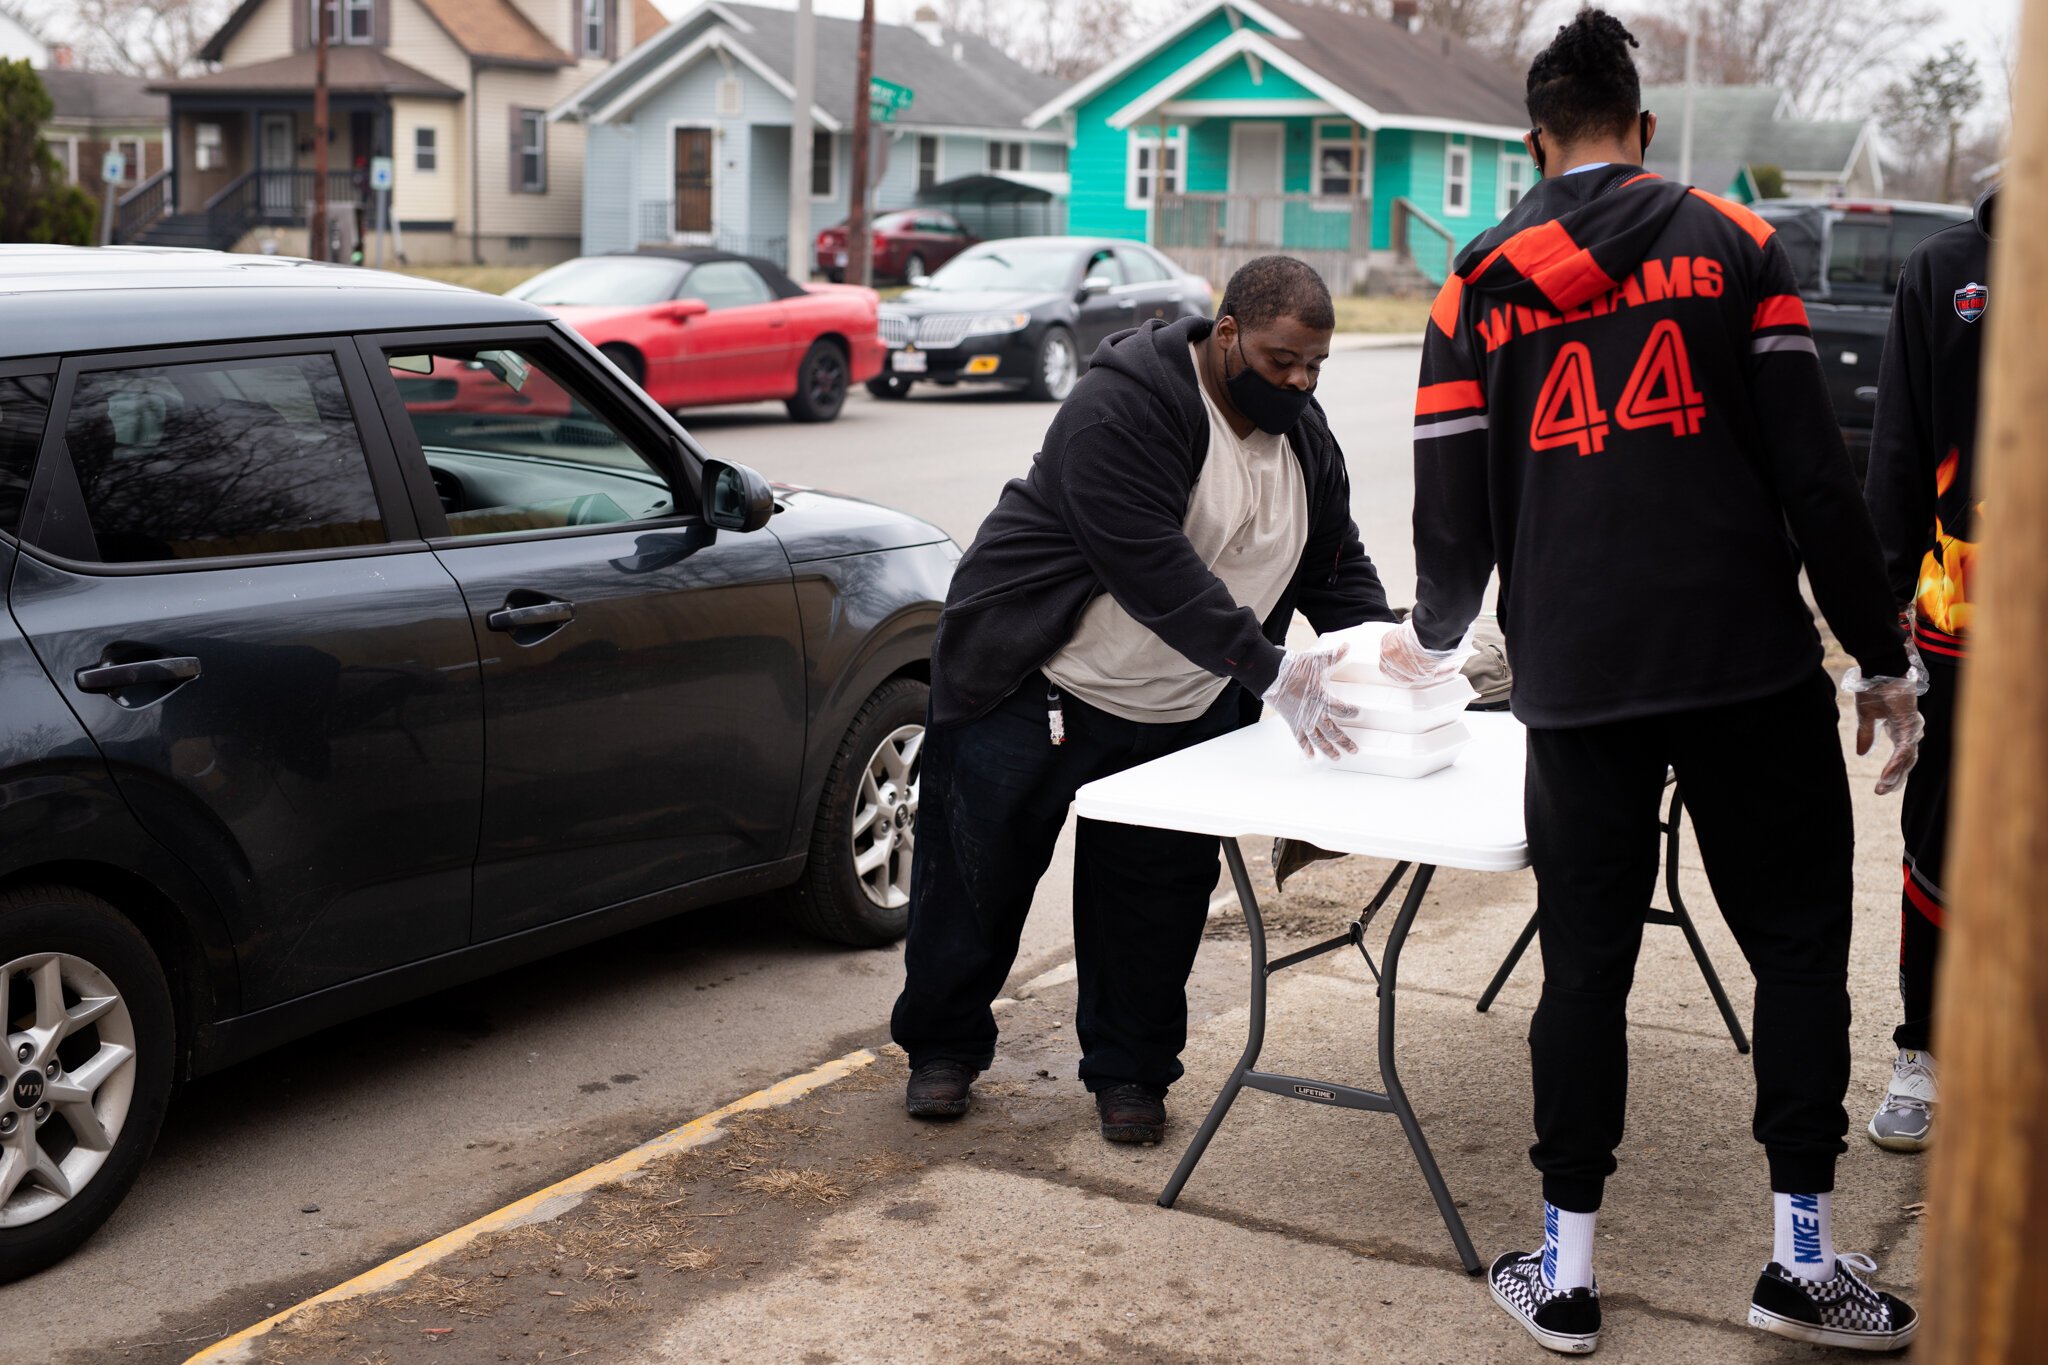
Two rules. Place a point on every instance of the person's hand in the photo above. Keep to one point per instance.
(1893, 703)
(1405, 659)
(1299, 693)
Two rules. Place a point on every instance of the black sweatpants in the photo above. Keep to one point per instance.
(993, 795)
(1924, 818)
(1765, 784)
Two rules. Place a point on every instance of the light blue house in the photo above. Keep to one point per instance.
(1373, 149)
(687, 140)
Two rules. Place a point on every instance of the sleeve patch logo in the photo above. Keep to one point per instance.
(1970, 301)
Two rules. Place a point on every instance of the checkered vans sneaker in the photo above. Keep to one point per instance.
(1567, 1321)
(1904, 1121)
(1843, 1311)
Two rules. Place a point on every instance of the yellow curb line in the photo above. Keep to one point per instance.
(535, 1207)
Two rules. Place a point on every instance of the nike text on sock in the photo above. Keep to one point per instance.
(1567, 1248)
(1804, 1243)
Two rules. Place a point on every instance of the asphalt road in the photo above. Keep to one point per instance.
(297, 1170)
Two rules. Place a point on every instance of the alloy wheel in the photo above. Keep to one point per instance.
(885, 817)
(70, 1074)
(1059, 368)
(828, 379)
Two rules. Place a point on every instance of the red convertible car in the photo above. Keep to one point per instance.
(695, 326)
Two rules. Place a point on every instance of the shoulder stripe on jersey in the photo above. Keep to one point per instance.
(1780, 310)
(1455, 426)
(1454, 396)
(1638, 179)
(1757, 228)
(1784, 341)
(1444, 312)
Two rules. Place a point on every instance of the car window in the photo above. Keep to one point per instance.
(604, 282)
(1800, 235)
(897, 222)
(1142, 266)
(514, 446)
(1104, 262)
(726, 284)
(1860, 254)
(230, 457)
(24, 407)
(1006, 265)
(938, 223)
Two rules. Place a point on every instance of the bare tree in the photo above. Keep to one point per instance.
(1063, 38)
(1826, 53)
(152, 38)
(1924, 112)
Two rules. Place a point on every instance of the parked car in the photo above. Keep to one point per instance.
(1028, 312)
(1847, 257)
(908, 244)
(334, 676)
(694, 326)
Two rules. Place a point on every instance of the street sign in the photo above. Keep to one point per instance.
(886, 99)
(113, 168)
(380, 172)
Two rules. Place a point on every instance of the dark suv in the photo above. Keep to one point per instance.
(1847, 257)
(364, 636)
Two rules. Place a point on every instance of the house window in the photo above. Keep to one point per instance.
(348, 21)
(1457, 178)
(67, 150)
(1005, 156)
(927, 162)
(131, 158)
(425, 150)
(1142, 150)
(1515, 173)
(1336, 145)
(532, 150)
(824, 167)
(207, 152)
(593, 28)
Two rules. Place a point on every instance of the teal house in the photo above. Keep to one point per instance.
(1373, 149)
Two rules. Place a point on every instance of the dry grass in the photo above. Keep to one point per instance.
(491, 279)
(1359, 313)
(799, 1186)
(689, 1258)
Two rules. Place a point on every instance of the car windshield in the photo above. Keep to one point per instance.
(1032, 269)
(604, 282)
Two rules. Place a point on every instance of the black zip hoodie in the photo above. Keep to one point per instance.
(1923, 440)
(1102, 509)
(1621, 406)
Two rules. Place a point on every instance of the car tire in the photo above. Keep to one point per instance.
(835, 899)
(1054, 366)
(837, 276)
(53, 933)
(821, 382)
(889, 386)
(914, 267)
(627, 359)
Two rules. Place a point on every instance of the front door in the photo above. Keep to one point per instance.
(693, 181)
(1258, 167)
(643, 674)
(276, 155)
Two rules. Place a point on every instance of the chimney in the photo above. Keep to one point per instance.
(60, 57)
(926, 22)
(1407, 15)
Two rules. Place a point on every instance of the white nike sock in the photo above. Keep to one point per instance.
(1567, 1248)
(1805, 1242)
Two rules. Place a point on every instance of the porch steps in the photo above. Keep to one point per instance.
(179, 229)
(1394, 274)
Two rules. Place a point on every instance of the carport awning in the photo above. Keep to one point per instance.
(1023, 187)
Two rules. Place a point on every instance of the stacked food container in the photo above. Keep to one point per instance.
(1401, 729)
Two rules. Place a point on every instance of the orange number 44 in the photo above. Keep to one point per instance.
(1660, 393)
(1568, 411)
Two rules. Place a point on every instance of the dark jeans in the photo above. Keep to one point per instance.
(993, 795)
(1765, 785)
(1924, 818)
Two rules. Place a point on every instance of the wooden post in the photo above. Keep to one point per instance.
(1988, 1191)
(1158, 181)
(316, 220)
(859, 259)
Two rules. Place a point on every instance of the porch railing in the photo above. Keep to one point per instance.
(658, 225)
(284, 197)
(1214, 234)
(145, 204)
(1421, 239)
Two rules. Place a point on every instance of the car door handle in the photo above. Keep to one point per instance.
(114, 677)
(539, 614)
(1867, 392)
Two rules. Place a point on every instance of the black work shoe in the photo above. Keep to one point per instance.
(938, 1090)
(1132, 1113)
(1566, 1320)
(1843, 1311)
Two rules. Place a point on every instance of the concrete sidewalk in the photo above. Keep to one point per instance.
(835, 1230)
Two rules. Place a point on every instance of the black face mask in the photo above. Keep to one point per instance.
(1273, 409)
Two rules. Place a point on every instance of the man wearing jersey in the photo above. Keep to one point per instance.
(1622, 410)
(1922, 494)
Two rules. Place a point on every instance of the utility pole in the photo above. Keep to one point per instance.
(858, 262)
(800, 262)
(1692, 50)
(1987, 1196)
(316, 221)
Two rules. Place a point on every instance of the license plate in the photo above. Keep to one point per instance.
(839, 258)
(908, 362)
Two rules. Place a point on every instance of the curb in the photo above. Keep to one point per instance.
(542, 1204)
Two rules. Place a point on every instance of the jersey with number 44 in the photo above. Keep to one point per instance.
(1621, 409)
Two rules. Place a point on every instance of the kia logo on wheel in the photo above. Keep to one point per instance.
(28, 1090)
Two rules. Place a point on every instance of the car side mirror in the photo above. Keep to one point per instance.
(1096, 284)
(735, 497)
(682, 310)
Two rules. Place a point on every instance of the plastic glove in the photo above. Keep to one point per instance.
(1405, 659)
(1299, 694)
(1893, 703)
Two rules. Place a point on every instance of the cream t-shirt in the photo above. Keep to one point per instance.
(1248, 520)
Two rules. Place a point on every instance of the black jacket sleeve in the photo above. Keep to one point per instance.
(1337, 585)
(1900, 488)
(1454, 550)
(1809, 471)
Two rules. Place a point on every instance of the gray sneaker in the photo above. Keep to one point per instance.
(1904, 1122)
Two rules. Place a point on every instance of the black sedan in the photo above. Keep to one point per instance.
(363, 636)
(1027, 312)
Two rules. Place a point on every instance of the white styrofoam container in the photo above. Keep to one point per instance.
(1362, 663)
(1407, 710)
(1393, 753)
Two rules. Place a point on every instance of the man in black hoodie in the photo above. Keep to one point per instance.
(1128, 597)
(1621, 408)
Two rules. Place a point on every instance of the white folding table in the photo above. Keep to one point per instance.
(1255, 782)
